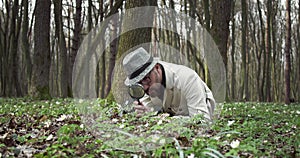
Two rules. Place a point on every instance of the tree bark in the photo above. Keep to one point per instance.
(298, 72)
(25, 45)
(207, 14)
(112, 54)
(261, 81)
(220, 27)
(62, 62)
(130, 39)
(244, 50)
(233, 80)
(287, 51)
(274, 80)
(268, 52)
(76, 39)
(141, 35)
(41, 59)
(14, 88)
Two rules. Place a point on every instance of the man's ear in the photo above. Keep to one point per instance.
(157, 66)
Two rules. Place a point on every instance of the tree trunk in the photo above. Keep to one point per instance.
(274, 80)
(207, 15)
(103, 62)
(141, 35)
(220, 27)
(113, 52)
(131, 39)
(62, 50)
(287, 50)
(41, 58)
(207, 27)
(233, 80)
(261, 82)
(268, 51)
(298, 54)
(5, 56)
(25, 45)
(2, 48)
(89, 18)
(14, 88)
(244, 50)
(76, 39)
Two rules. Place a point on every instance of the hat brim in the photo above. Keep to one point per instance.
(138, 78)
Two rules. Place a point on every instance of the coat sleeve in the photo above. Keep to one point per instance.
(194, 92)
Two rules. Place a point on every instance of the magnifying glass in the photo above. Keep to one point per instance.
(136, 92)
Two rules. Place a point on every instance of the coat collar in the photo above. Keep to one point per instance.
(169, 74)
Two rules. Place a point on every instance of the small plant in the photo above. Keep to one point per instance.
(60, 128)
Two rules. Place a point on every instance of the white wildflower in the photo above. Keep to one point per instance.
(230, 123)
(62, 117)
(146, 125)
(114, 120)
(217, 137)
(191, 156)
(47, 123)
(122, 126)
(235, 143)
(159, 122)
(81, 126)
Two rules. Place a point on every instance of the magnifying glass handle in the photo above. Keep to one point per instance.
(139, 102)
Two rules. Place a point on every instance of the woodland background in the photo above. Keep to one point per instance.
(259, 41)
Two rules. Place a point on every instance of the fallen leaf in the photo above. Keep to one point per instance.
(50, 137)
(43, 118)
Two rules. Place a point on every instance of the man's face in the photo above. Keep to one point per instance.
(152, 82)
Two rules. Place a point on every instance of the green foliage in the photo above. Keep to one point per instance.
(55, 128)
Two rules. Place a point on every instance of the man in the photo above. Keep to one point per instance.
(172, 88)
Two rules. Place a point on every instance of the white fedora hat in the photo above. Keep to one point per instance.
(137, 64)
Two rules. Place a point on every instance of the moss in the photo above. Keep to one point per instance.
(110, 97)
(43, 93)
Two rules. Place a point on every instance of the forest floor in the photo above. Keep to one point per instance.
(68, 128)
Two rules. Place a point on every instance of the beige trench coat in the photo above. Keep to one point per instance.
(185, 93)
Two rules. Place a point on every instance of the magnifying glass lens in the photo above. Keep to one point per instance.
(136, 91)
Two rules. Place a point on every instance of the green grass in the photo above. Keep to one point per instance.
(65, 128)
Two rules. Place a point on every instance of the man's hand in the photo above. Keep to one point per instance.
(140, 109)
